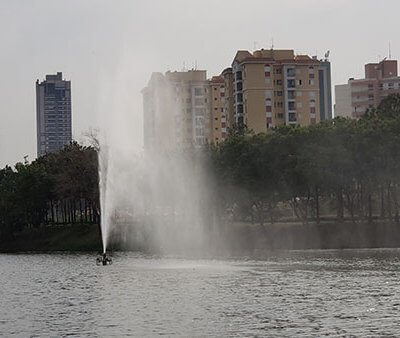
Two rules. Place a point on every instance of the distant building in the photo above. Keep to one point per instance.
(354, 98)
(53, 114)
(269, 88)
(218, 112)
(176, 107)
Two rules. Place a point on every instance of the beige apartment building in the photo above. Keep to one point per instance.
(269, 88)
(219, 119)
(176, 107)
(261, 90)
(358, 95)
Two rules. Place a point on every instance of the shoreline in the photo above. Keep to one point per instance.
(236, 238)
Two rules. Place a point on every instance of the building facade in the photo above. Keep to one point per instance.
(176, 108)
(53, 114)
(218, 112)
(269, 88)
(358, 95)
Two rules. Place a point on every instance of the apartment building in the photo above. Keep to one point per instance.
(53, 114)
(269, 88)
(176, 107)
(358, 95)
(218, 111)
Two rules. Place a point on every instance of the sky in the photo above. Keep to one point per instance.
(108, 49)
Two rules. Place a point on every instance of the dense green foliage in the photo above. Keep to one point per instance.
(338, 169)
(335, 169)
(58, 188)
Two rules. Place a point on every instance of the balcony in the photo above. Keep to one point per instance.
(290, 72)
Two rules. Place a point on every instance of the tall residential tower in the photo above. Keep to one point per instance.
(53, 114)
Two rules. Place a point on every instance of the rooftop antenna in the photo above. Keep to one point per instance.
(327, 55)
(390, 52)
(272, 43)
(195, 64)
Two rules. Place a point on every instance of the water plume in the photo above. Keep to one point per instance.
(158, 199)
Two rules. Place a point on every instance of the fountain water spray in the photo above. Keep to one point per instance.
(158, 199)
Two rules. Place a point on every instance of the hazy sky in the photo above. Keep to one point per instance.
(108, 49)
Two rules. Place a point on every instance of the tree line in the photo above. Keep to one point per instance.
(58, 188)
(340, 169)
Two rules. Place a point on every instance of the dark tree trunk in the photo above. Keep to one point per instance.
(317, 204)
(369, 208)
(340, 211)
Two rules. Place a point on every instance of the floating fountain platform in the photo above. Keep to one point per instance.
(104, 260)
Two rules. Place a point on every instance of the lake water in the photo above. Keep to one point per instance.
(287, 294)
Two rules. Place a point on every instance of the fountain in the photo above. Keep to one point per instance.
(156, 200)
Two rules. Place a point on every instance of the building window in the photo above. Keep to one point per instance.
(311, 75)
(292, 117)
(198, 91)
(278, 70)
(279, 82)
(199, 111)
(222, 110)
(278, 93)
(239, 86)
(198, 101)
(291, 105)
(311, 82)
(268, 109)
(291, 72)
(291, 83)
(238, 76)
(312, 110)
(280, 116)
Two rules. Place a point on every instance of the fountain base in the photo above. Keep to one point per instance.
(104, 260)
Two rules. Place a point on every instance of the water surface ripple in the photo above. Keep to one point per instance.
(305, 294)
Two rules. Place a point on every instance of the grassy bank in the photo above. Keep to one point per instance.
(236, 238)
(297, 236)
(80, 237)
